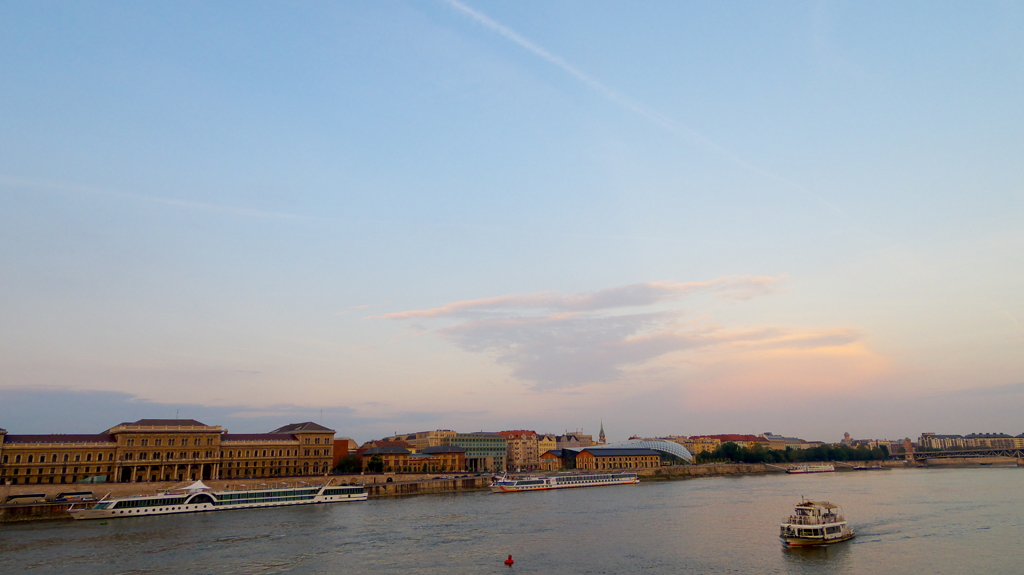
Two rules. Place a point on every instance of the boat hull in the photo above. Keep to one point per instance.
(810, 541)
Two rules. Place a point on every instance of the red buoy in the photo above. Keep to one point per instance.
(509, 561)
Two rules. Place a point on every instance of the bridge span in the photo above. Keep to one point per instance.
(1015, 453)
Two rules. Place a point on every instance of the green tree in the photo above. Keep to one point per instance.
(348, 464)
(376, 464)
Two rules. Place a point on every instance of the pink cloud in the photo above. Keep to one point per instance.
(558, 342)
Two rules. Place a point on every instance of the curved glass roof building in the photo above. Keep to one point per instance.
(668, 449)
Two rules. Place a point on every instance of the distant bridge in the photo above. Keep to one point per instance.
(1016, 453)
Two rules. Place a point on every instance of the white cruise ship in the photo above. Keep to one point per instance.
(198, 498)
(512, 485)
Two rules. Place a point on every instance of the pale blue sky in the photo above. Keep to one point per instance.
(240, 210)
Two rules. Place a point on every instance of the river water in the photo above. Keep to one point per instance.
(907, 521)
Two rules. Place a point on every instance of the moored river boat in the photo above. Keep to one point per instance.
(507, 484)
(197, 498)
(808, 468)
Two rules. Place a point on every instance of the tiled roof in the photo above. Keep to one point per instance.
(517, 433)
(382, 450)
(444, 449)
(734, 437)
(308, 426)
(60, 438)
(613, 452)
(256, 437)
(167, 423)
(383, 443)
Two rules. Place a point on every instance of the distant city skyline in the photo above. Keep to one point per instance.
(680, 218)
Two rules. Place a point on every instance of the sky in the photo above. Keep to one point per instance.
(672, 218)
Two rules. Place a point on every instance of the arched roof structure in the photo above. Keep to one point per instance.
(669, 448)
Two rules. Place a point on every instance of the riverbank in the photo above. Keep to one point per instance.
(377, 486)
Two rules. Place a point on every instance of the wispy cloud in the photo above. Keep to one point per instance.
(79, 189)
(634, 295)
(988, 390)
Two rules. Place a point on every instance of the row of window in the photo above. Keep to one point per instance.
(41, 458)
(157, 442)
(266, 500)
(209, 441)
(148, 502)
(50, 479)
(233, 497)
(52, 470)
(169, 456)
(280, 453)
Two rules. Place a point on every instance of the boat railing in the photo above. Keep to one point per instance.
(812, 520)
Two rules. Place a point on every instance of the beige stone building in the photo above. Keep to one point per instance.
(424, 439)
(573, 440)
(546, 442)
(522, 449)
(700, 444)
(165, 450)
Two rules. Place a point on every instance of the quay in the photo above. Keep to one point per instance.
(377, 486)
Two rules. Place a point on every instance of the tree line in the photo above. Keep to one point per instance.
(741, 454)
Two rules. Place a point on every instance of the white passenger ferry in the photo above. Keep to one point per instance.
(510, 485)
(815, 523)
(198, 497)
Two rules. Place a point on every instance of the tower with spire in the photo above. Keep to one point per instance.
(600, 437)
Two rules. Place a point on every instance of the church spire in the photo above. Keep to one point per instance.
(600, 438)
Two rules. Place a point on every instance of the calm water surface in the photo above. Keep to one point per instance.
(908, 521)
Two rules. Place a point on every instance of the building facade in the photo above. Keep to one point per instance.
(522, 451)
(609, 458)
(485, 451)
(930, 440)
(699, 443)
(424, 439)
(552, 460)
(393, 459)
(600, 459)
(165, 450)
(546, 442)
(573, 440)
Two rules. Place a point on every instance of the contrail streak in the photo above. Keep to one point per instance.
(652, 116)
(94, 191)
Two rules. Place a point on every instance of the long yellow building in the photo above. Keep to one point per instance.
(165, 450)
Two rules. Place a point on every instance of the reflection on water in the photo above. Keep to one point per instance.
(914, 521)
(816, 556)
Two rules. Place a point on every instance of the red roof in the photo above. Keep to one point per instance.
(517, 434)
(733, 437)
